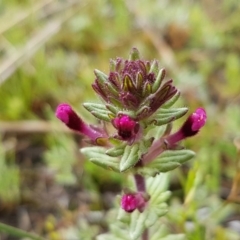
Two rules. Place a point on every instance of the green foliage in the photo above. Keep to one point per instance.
(9, 180)
(164, 116)
(205, 65)
(98, 110)
(60, 159)
(132, 225)
(98, 156)
(168, 161)
(130, 157)
(18, 232)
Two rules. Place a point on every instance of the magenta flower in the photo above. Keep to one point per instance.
(126, 126)
(190, 128)
(67, 115)
(198, 119)
(129, 202)
(194, 123)
(133, 201)
(134, 84)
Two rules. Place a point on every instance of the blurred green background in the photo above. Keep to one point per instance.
(48, 51)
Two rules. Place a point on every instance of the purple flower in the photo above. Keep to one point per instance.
(126, 126)
(194, 123)
(190, 128)
(133, 201)
(67, 115)
(129, 202)
(198, 119)
(134, 84)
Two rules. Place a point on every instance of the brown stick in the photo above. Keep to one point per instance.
(32, 127)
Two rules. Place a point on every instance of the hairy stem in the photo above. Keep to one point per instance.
(145, 234)
(140, 183)
(141, 187)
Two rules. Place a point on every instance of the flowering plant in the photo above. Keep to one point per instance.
(137, 102)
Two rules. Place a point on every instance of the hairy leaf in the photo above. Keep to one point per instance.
(98, 110)
(171, 101)
(167, 161)
(130, 157)
(98, 156)
(164, 115)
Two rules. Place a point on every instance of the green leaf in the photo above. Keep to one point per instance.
(137, 225)
(112, 108)
(158, 231)
(98, 110)
(148, 171)
(154, 67)
(157, 185)
(134, 55)
(161, 232)
(146, 219)
(128, 84)
(143, 112)
(118, 232)
(112, 89)
(158, 81)
(12, 231)
(94, 107)
(154, 132)
(116, 151)
(166, 167)
(180, 156)
(139, 80)
(167, 161)
(147, 89)
(98, 156)
(171, 101)
(164, 115)
(145, 144)
(157, 188)
(123, 216)
(102, 77)
(115, 101)
(102, 115)
(118, 229)
(130, 157)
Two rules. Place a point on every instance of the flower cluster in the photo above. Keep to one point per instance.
(136, 100)
(134, 84)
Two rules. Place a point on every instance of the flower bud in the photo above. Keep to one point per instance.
(133, 201)
(190, 128)
(67, 115)
(129, 202)
(194, 123)
(126, 126)
(133, 84)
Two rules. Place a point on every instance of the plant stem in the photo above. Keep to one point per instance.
(145, 234)
(141, 187)
(140, 183)
(4, 228)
